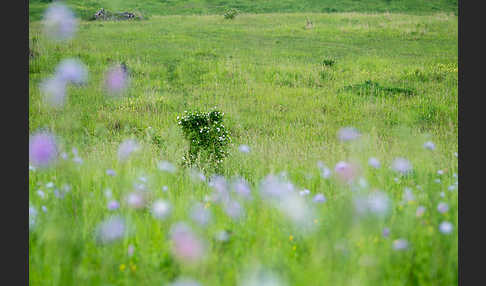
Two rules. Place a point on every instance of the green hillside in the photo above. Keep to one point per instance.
(87, 8)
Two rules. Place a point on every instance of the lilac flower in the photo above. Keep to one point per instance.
(41, 194)
(373, 162)
(200, 214)
(402, 165)
(324, 170)
(386, 232)
(348, 134)
(42, 149)
(187, 247)
(110, 172)
(165, 188)
(400, 244)
(161, 209)
(319, 198)
(113, 205)
(440, 172)
(273, 187)
(429, 145)
(197, 176)
(304, 193)
(53, 91)
(116, 80)
(126, 148)
(44, 209)
(446, 227)
(233, 209)
(32, 217)
(244, 148)
(420, 211)
(166, 167)
(376, 203)
(64, 155)
(131, 250)
(241, 188)
(345, 171)
(72, 70)
(59, 22)
(135, 200)
(111, 229)
(442, 207)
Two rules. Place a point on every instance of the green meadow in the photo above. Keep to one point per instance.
(388, 69)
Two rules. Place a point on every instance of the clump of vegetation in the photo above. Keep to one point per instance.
(373, 88)
(231, 13)
(328, 62)
(208, 138)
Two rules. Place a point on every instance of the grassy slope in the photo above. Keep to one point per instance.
(87, 8)
(265, 72)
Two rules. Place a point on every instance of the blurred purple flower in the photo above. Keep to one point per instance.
(59, 22)
(373, 162)
(233, 209)
(116, 80)
(135, 200)
(110, 172)
(345, 172)
(187, 247)
(161, 209)
(111, 229)
(400, 244)
(113, 205)
(72, 70)
(442, 207)
(241, 188)
(126, 148)
(401, 165)
(446, 227)
(200, 214)
(348, 134)
(386, 232)
(319, 198)
(429, 145)
(43, 149)
(166, 167)
(420, 211)
(244, 148)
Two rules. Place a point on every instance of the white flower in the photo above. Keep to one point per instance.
(161, 209)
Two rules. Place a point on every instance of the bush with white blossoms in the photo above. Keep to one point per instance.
(208, 137)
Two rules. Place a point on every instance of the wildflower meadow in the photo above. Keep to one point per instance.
(243, 143)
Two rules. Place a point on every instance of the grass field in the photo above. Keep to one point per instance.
(393, 77)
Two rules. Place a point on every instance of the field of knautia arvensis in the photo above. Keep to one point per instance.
(342, 165)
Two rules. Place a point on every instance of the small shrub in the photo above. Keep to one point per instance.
(208, 138)
(328, 62)
(231, 13)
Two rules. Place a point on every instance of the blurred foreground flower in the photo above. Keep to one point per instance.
(187, 247)
(116, 80)
(72, 71)
(43, 149)
(126, 148)
(348, 134)
(161, 209)
(111, 229)
(445, 227)
(401, 165)
(59, 22)
(400, 244)
(183, 281)
(53, 92)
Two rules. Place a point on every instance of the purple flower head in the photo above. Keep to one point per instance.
(241, 188)
(233, 209)
(345, 172)
(126, 148)
(429, 145)
(442, 207)
(113, 205)
(400, 244)
(420, 211)
(348, 134)
(200, 214)
(42, 149)
(135, 200)
(53, 91)
(446, 227)
(72, 70)
(319, 198)
(59, 22)
(386, 232)
(273, 187)
(373, 162)
(244, 148)
(187, 247)
(161, 209)
(111, 229)
(116, 80)
(402, 166)
(32, 216)
(110, 172)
